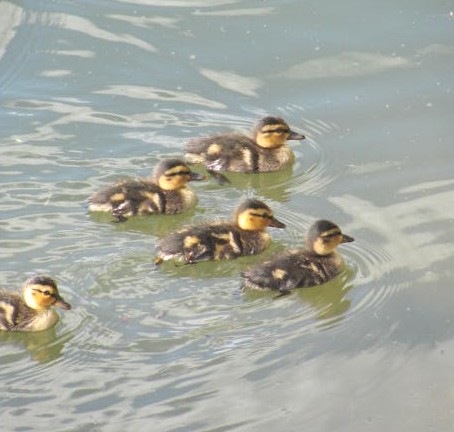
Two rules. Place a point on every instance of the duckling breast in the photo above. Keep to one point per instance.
(43, 320)
(179, 200)
(254, 242)
(275, 159)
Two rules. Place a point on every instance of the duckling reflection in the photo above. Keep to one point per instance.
(316, 264)
(43, 346)
(327, 306)
(245, 235)
(165, 193)
(266, 151)
(33, 309)
(276, 186)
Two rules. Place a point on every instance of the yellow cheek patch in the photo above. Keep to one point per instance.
(191, 241)
(325, 248)
(214, 149)
(257, 219)
(279, 273)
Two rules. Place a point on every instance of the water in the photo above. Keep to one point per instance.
(94, 91)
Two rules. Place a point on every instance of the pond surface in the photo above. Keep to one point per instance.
(98, 90)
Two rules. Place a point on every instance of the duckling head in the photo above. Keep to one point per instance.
(324, 236)
(41, 292)
(273, 132)
(254, 215)
(172, 174)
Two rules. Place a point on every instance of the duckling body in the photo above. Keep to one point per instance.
(246, 235)
(33, 309)
(165, 193)
(266, 151)
(313, 265)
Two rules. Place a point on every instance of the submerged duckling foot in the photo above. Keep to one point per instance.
(220, 178)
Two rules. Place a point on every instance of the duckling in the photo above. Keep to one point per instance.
(33, 309)
(245, 235)
(314, 265)
(266, 151)
(166, 192)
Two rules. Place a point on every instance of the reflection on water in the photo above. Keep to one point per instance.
(43, 346)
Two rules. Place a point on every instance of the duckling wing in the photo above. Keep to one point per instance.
(200, 243)
(233, 152)
(292, 270)
(12, 310)
(282, 273)
(129, 197)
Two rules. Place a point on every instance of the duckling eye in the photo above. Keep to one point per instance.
(46, 292)
(262, 215)
(278, 130)
(329, 238)
(178, 173)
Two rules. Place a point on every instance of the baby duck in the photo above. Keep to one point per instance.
(266, 151)
(314, 265)
(166, 192)
(246, 235)
(33, 309)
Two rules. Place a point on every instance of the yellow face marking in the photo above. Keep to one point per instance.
(191, 241)
(279, 273)
(273, 135)
(214, 149)
(324, 246)
(39, 297)
(254, 219)
(174, 178)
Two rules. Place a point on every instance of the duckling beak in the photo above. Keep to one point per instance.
(295, 136)
(61, 303)
(276, 223)
(347, 239)
(196, 176)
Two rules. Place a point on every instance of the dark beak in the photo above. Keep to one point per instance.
(196, 176)
(59, 302)
(347, 239)
(276, 223)
(295, 136)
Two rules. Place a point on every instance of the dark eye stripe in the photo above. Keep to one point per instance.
(178, 173)
(262, 215)
(47, 293)
(277, 130)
